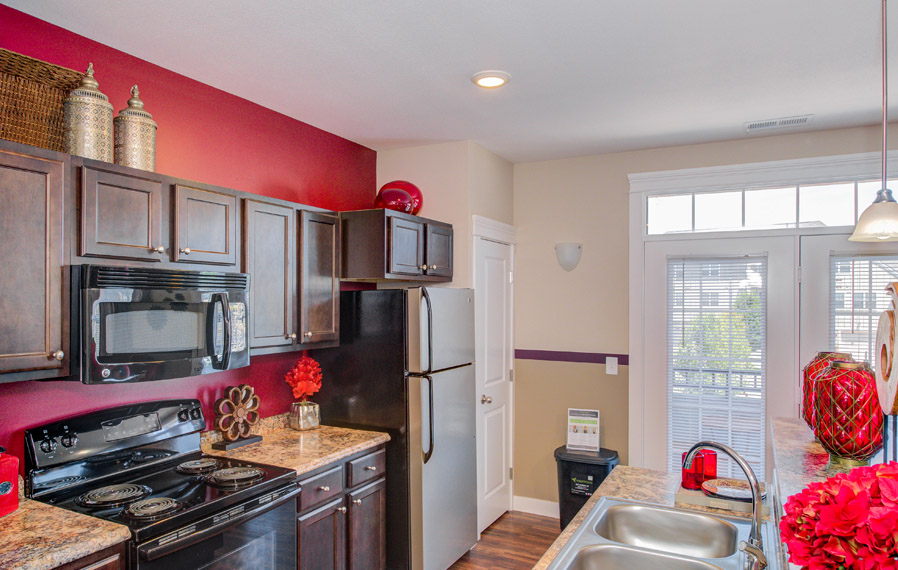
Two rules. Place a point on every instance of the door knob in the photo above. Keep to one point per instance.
(486, 399)
(433, 266)
(292, 335)
(324, 488)
(185, 250)
(159, 249)
(308, 334)
(59, 355)
(342, 509)
(423, 267)
(356, 501)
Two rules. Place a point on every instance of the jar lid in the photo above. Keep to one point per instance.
(839, 355)
(89, 86)
(135, 106)
(849, 365)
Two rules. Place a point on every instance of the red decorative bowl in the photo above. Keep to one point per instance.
(394, 199)
(413, 191)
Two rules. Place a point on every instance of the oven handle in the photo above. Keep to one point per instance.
(156, 552)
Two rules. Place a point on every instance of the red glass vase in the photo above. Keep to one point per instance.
(809, 376)
(847, 412)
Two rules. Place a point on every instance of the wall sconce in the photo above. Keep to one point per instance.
(568, 254)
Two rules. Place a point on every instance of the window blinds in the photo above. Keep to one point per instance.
(717, 310)
(857, 297)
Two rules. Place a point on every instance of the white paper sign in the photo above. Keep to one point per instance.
(582, 430)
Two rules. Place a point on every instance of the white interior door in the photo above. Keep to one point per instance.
(493, 321)
(779, 259)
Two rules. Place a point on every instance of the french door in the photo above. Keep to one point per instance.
(720, 345)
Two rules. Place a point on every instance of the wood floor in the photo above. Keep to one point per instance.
(514, 542)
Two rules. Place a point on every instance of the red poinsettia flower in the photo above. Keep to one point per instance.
(849, 521)
(304, 378)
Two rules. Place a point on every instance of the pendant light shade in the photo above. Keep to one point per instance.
(879, 222)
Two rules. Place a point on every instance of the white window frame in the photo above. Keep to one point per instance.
(830, 169)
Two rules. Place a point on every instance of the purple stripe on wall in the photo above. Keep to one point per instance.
(562, 356)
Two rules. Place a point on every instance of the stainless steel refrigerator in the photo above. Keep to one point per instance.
(405, 366)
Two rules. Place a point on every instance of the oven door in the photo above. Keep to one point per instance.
(258, 535)
(134, 335)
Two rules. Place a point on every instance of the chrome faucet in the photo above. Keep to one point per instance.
(754, 549)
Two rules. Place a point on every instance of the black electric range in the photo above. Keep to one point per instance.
(141, 466)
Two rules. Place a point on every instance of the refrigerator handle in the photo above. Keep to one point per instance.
(429, 332)
(429, 453)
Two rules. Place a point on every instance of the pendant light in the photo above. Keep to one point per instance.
(879, 222)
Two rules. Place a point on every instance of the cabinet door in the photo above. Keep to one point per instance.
(31, 226)
(319, 283)
(367, 527)
(205, 227)
(406, 246)
(439, 250)
(270, 252)
(321, 538)
(112, 558)
(121, 216)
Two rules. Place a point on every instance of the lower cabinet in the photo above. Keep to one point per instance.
(112, 558)
(343, 527)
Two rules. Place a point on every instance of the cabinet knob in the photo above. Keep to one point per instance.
(486, 399)
(370, 468)
(59, 355)
(308, 334)
(324, 488)
(185, 250)
(433, 267)
(342, 509)
(357, 502)
(423, 267)
(159, 249)
(291, 335)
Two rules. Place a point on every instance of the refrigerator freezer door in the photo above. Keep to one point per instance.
(445, 318)
(445, 497)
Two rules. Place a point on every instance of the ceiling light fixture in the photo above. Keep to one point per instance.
(879, 222)
(490, 79)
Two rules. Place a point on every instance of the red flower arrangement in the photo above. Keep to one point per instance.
(849, 521)
(304, 378)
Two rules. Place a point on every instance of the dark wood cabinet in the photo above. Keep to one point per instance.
(366, 535)
(112, 558)
(319, 278)
(388, 245)
(205, 226)
(32, 194)
(122, 214)
(269, 248)
(320, 538)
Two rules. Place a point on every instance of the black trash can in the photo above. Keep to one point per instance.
(579, 474)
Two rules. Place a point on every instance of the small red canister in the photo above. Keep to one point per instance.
(810, 374)
(704, 468)
(9, 482)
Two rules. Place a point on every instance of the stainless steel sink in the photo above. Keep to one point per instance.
(669, 530)
(605, 556)
(625, 534)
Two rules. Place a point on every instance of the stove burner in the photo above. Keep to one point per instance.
(113, 495)
(197, 466)
(152, 509)
(236, 476)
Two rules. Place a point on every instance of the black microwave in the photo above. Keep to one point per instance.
(134, 324)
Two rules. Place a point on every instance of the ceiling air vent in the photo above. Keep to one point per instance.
(783, 123)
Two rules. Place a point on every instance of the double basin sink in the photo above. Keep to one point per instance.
(637, 536)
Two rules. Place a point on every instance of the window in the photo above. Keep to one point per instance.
(716, 357)
(857, 298)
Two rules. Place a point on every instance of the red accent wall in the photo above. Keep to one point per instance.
(207, 135)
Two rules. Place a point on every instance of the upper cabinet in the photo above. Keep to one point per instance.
(205, 226)
(383, 244)
(32, 194)
(122, 214)
(319, 278)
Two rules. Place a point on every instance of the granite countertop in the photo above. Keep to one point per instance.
(306, 450)
(798, 458)
(38, 536)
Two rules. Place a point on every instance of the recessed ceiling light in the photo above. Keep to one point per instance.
(490, 79)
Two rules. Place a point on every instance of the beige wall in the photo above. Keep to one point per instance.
(458, 180)
(586, 200)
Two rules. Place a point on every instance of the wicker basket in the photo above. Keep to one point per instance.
(31, 96)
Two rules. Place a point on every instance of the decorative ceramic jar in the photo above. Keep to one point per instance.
(9, 482)
(413, 191)
(809, 376)
(135, 135)
(847, 413)
(87, 127)
(394, 199)
(304, 415)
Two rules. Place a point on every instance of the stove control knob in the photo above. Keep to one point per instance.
(183, 416)
(48, 445)
(69, 440)
(196, 413)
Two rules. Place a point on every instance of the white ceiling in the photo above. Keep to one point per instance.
(588, 76)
